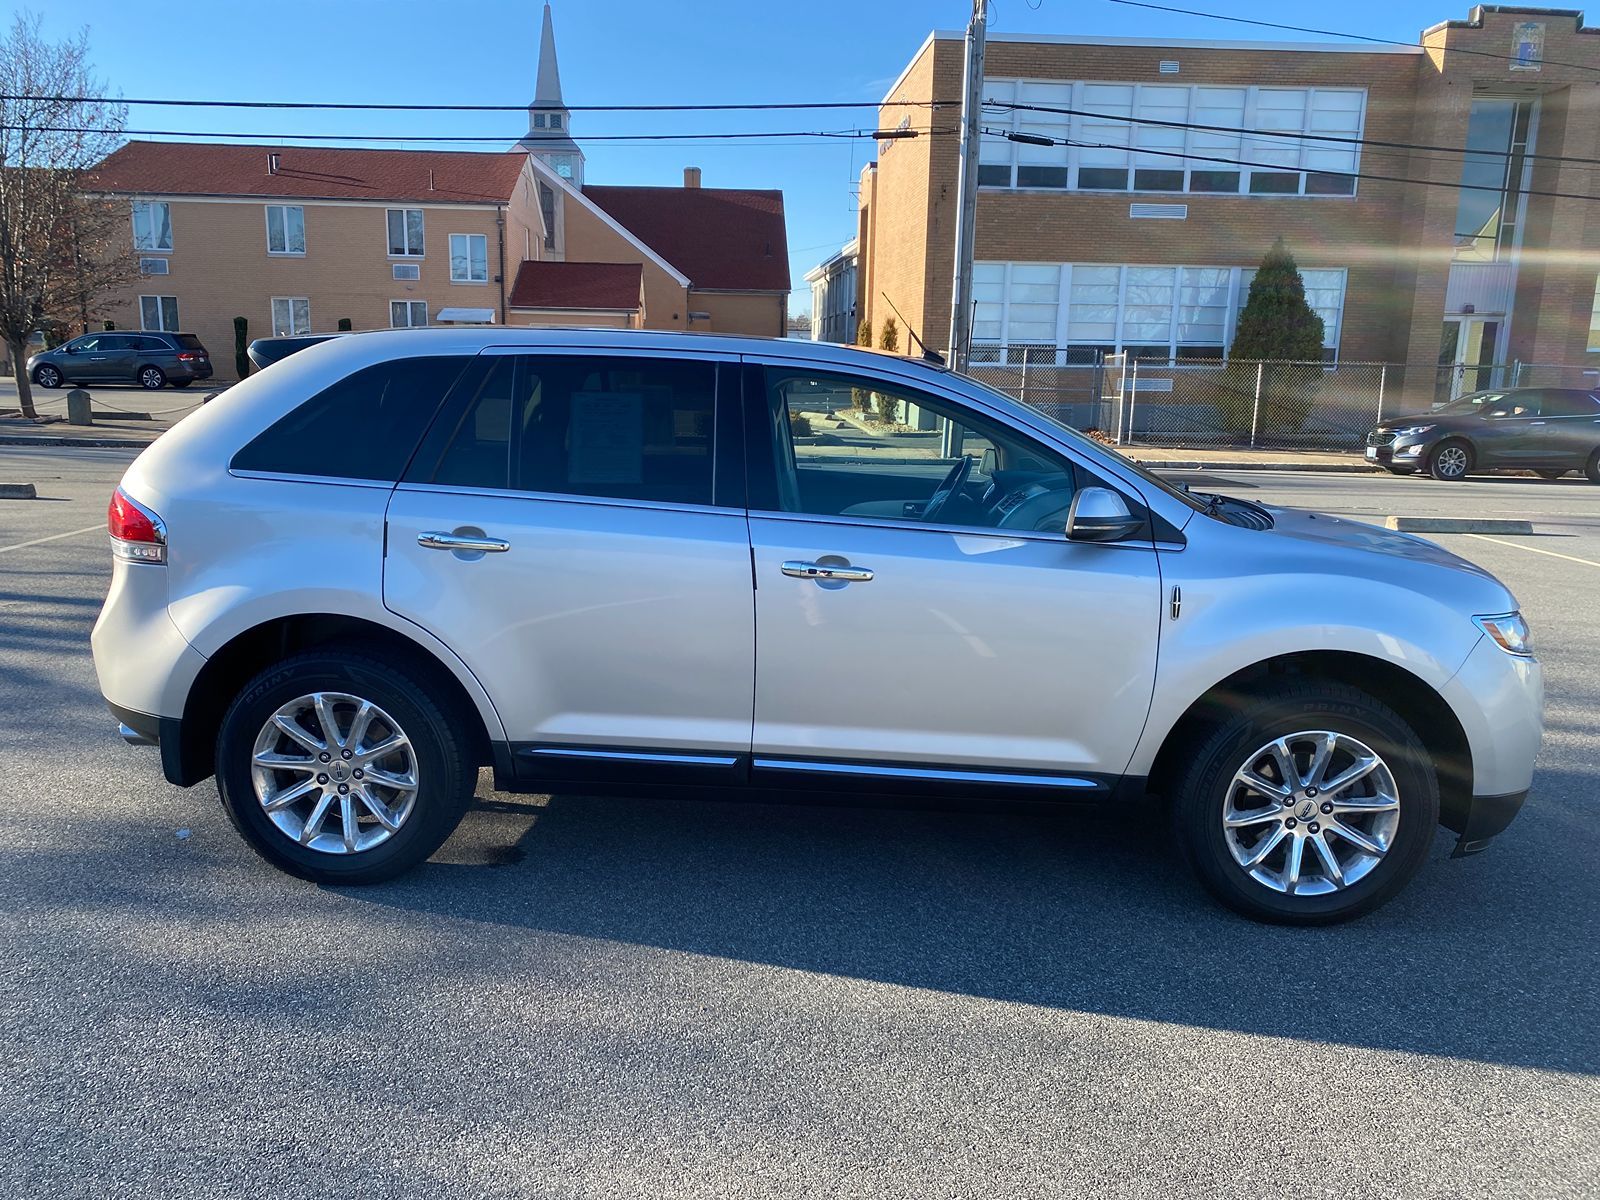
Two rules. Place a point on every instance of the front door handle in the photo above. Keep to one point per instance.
(435, 540)
(829, 571)
(1535, 422)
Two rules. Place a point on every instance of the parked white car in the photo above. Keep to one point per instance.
(607, 560)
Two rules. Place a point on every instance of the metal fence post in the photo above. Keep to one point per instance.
(1024, 396)
(1255, 409)
(1383, 377)
(1133, 396)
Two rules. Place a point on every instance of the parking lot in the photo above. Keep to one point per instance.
(582, 997)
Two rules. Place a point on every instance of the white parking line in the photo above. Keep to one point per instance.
(1588, 562)
(52, 538)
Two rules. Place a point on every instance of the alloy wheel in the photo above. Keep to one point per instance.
(334, 772)
(1311, 813)
(151, 377)
(48, 377)
(1452, 461)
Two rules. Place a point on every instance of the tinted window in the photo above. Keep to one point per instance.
(1570, 404)
(82, 345)
(363, 427)
(1522, 402)
(151, 345)
(111, 343)
(189, 342)
(629, 428)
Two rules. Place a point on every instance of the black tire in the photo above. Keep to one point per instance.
(1203, 793)
(181, 383)
(445, 772)
(1447, 464)
(1591, 469)
(151, 378)
(1546, 473)
(48, 376)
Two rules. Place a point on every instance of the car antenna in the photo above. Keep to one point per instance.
(932, 356)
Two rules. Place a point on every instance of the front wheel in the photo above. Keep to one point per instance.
(1450, 461)
(47, 377)
(340, 768)
(1401, 470)
(152, 378)
(1313, 804)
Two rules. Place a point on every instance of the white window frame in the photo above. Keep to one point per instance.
(266, 216)
(467, 278)
(408, 254)
(161, 315)
(153, 264)
(133, 217)
(1294, 148)
(291, 301)
(410, 306)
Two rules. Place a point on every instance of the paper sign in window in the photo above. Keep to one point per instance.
(606, 443)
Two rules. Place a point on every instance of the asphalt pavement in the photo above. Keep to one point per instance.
(602, 998)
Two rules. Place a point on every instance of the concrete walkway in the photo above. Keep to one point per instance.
(114, 422)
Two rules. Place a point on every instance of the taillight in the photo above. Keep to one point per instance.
(137, 534)
(187, 357)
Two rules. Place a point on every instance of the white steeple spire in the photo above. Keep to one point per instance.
(549, 122)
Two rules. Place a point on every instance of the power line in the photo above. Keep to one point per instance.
(273, 138)
(1239, 162)
(1355, 37)
(387, 107)
(1285, 134)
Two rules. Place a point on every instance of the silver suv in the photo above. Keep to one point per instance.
(697, 565)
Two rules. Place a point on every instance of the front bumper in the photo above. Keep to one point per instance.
(1483, 818)
(1401, 452)
(1499, 700)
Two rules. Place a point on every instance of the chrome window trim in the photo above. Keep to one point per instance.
(690, 760)
(1029, 535)
(566, 498)
(289, 477)
(892, 772)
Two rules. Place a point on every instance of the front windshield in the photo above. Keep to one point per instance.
(1471, 402)
(1080, 439)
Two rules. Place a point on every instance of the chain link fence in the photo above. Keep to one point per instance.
(1251, 405)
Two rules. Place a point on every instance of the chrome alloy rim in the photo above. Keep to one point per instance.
(49, 377)
(1311, 813)
(334, 773)
(150, 377)
(1453, 461)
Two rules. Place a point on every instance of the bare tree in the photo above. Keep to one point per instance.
(61, 248)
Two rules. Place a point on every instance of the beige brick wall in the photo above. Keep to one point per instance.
(752, 313)
(590, 239)
(220, 269)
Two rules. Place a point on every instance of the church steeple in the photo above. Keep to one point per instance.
(549, 123)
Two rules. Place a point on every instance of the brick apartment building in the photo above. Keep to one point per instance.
(296, 238)
(1143, 234)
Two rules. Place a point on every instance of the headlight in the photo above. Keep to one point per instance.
(1411, 430)
(1510, 633)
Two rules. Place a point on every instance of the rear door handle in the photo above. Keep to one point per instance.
(828, 571)
(434, 540)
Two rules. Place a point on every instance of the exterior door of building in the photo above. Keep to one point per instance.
(1467, 355)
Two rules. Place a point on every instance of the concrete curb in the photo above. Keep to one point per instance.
(18, 491)
(1186, 464)
(90, 443)
(1458, 524)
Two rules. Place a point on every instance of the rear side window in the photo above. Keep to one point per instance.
(1570, 404)
(363, 427)
(624, 428)
(188, 341)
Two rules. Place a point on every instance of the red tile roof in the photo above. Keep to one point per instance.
(721, 238)
(577, 285)
(310, 172)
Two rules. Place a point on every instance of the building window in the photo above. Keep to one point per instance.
(1141, 138)
(286, 229)
(290, 315)
(563, 165)
(1594, 320)
(1494, 175)
(408, 314)
(1044, 313)
(159, 313)
(155, 266)
(547, 210)
(555, 120)
(405, 232)
(538, 120)
(469, 258)
(152, 225)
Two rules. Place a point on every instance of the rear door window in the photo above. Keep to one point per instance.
(366, 426)
(1570, 404)
(615, 427)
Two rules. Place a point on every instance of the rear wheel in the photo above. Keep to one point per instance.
(1450, 461)
(339, 768)
(152, 378)
(1313, 804)
(1592, 467)
(181, 383)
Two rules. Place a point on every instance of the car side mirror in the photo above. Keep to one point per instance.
(1100, 515)
(71, 349)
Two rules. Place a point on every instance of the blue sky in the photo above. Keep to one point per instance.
(611, 51)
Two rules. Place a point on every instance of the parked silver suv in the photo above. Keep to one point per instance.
(701, 565)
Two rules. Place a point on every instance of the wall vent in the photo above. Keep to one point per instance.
(1159, 212)
(407, 271)
(154, 266)
(1169, 66)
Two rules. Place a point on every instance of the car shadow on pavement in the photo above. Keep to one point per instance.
(1493, 959)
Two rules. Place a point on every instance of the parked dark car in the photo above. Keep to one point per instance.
(1547, 430)
(265, 351)
(149, 359)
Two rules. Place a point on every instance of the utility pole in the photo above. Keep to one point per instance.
(967, 188)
